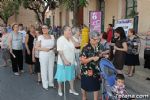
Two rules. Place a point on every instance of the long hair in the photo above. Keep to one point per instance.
(121, 31)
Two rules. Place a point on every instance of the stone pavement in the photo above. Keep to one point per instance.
(24, 87)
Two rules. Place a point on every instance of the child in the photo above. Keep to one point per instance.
(119, 88)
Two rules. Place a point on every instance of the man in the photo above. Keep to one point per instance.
(109, 33)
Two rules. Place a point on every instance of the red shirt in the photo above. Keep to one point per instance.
(109, 35)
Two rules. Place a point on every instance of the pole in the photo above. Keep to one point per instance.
(64, 84)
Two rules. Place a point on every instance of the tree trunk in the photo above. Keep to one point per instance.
(75, 10)
(43, 17)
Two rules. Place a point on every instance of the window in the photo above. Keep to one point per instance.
(131, 8)
(102, 9)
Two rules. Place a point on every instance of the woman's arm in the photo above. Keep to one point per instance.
(125, 48)
(26, 44)
(33, 53)
(10, 43)
(38, 47)
(65, 61)
(76, 44)
(85, 60)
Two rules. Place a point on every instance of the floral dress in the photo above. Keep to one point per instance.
(90, 71)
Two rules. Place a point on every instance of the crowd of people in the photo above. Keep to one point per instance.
(41, 46)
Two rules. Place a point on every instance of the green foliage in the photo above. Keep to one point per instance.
(40, 7)
(72, 4)
(8, 8)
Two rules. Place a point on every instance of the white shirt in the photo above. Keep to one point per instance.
(23, 32)
(46, 43)
(68, 49)
(78, 40)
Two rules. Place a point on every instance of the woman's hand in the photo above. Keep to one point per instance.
(33, 59)
(28, 51)
(96, 58)
(67, 63)
(115, 48)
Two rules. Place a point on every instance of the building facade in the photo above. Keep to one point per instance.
(25, 16)
(120, 9)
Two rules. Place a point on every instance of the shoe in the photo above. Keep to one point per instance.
(22, 71)
(45, 88)
(147, 78)
(73, 92)
(60, 93)
(16, 73)
(39, 82)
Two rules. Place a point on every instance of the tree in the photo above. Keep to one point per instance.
(8, 8)
(40, 7)
(74, 5)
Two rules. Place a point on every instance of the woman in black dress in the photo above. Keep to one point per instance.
(120, 49)
(29, 46)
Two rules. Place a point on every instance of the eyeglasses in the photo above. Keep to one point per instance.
(44, 28)
(95, 39)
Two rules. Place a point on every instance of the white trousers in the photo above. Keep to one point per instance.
(47, 67)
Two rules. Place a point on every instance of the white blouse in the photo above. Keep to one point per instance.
(46, 43)
(68, 49)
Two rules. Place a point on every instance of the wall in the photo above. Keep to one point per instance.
(144, 15)
(91, 7)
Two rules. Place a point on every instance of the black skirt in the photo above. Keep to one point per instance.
(37, 66)
(147, 61)
(28, 58)
(90, 84)
(132, 60)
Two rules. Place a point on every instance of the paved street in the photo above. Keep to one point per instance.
(24, 87)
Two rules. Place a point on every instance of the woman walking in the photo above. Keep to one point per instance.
(15, 47)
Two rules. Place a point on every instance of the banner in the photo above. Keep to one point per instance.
(125, 23)
(95, 21)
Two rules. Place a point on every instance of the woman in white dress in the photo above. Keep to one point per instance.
(66, 61)
(46, 57)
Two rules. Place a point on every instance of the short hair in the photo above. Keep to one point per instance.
(132, 31)
(64, 28)
(20, 25)
(110, 25)
(120, 76)
(104, 35)
(94, 34)
(32, 26)
(75, 30)
(14, 25)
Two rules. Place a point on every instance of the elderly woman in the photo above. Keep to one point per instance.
(46, 45)
(66, 61)
(132, 56)
(4, 46)
(120, 49)
(15, 46)
(77, 41)
(89, 67)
